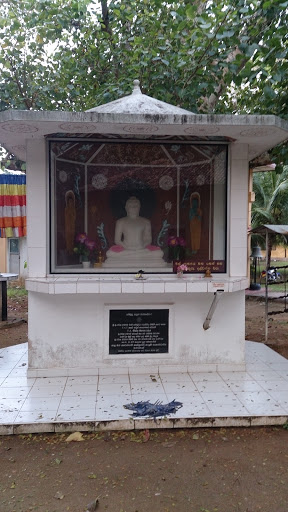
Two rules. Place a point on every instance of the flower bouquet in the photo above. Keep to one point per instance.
(84, 247)
(176, 246)
(181, 269)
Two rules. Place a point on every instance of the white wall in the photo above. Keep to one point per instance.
(238, 209)
(68, 332)
(71, 331)
(37, 225)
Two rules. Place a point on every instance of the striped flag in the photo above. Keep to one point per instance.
(12, 205)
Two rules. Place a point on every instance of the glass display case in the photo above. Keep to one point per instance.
(120, 205)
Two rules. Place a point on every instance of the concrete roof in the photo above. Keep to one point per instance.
(139, 103)
(142, 116)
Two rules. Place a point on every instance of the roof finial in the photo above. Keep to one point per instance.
(136, 89)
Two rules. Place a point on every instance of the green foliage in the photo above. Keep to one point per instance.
(271, 202)
(204, 56)
(16, 292)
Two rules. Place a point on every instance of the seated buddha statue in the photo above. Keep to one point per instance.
(133, 237)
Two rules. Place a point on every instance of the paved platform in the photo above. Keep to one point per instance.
(257, 396)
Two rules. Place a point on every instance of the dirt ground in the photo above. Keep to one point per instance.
(197, 470)
(205, 470)
(277, 324)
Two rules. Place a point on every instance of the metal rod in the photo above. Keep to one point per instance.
(4, 301)
(215, 301)
(266, 289)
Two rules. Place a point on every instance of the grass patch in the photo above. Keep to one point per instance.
(16, 291)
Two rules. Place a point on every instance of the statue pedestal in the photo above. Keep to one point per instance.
(143, 258)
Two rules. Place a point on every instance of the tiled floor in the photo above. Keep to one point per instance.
(258, 396)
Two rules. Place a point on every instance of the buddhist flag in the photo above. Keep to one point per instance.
(12, 205)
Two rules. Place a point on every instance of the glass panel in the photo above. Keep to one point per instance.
(14, 245)
(126, 206)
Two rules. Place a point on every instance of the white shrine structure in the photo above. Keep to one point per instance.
(117, 198)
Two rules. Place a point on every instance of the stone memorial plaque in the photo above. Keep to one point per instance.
(138, 331)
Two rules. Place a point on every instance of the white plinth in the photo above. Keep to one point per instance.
(69, 327)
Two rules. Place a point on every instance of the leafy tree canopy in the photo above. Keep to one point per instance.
(203, 55)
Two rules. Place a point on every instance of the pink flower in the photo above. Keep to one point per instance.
(181, 241)
(81, 238)
(172, 240)
(90, 244)
(182, 268)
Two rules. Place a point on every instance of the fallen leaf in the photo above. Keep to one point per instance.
(59, 495)
(168, 444)
(92, 506)
(146, 435)
(76, 436)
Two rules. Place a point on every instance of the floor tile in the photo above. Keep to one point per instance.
(113, 389)
(8, 416)
(76, 415)
(192, 411)
(150, 387)
(135, 379)
(281, 397)
(252, 398)
(77, 402)
(47, 382)
(275, 385)
(273, 409)
(80, 390)
(263, 375)
(235, 376)
(246, 385)
(228, 410)
(10, 404)
(176, 377)
(219, 398)
(42, 391)
(35, 417)
(114, 379)
(259, 395)
(21, 392)
(184, 387)
(212, 387)
(40, 404)
(11, 382)
(89, 379)
(206, 377)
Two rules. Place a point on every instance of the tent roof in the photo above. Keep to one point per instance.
(279, 229)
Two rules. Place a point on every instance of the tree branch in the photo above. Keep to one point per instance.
(105, 17)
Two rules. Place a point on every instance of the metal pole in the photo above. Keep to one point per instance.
(4, 301)
(208, 319)
(266, 290)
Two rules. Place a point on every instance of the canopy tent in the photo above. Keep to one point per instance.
(281, 229)
(12, 205)
(265, 230)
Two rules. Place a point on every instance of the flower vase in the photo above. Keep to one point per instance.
(180, 274)
(86, 264)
